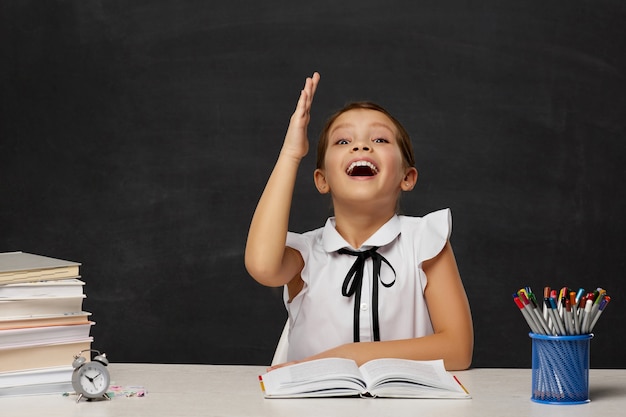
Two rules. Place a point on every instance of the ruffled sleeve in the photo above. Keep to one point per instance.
(300, 243)
(436, 228)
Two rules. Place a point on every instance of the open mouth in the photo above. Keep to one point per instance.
(362, 169)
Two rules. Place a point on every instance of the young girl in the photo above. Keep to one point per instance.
(370, 283)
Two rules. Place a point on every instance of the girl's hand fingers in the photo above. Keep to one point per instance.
(280, 365)
(296, 141)
(312, 87)
(303, 108)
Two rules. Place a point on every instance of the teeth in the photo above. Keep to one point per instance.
(362, 164)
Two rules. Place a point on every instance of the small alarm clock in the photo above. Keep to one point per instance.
(91, 379)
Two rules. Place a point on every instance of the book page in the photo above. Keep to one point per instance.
(322, 369)
(428, 373)
(323, 376)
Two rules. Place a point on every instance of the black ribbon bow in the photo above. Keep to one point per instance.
(353, 284)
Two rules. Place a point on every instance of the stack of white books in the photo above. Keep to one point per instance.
(42, 323)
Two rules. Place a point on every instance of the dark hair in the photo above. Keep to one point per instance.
(404, 141)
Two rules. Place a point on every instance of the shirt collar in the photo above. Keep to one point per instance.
(332, 241)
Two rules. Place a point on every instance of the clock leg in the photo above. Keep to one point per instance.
(79, 397)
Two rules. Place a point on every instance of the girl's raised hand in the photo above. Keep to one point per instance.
(296, 143)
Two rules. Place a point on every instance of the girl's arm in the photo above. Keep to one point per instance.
(267, 258)
(453, 339)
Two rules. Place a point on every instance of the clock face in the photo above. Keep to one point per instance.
(92, 380)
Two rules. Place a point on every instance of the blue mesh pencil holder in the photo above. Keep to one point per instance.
(560, 369)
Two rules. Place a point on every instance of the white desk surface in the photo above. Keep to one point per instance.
(232, 390)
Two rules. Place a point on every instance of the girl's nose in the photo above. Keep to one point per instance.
(364, 147)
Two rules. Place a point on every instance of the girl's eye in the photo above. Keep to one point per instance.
(342, 142)
(380, 140)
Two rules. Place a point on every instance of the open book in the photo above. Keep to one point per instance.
(333, 377)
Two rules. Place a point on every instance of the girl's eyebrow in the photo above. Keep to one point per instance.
(384, 125)
(373, 124)
(340, 126)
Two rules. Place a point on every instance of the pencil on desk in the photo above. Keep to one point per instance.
(459, 382)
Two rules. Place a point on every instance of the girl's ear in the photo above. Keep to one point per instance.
(320, 181)
(409, 180)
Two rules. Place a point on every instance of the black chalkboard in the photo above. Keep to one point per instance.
(136, 138)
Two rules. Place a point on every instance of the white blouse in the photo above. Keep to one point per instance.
(321, 317)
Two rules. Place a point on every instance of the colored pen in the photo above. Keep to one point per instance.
(536, 318)
(563, 311)
(556, 320)
(520, 305)
(599, 296)
(540, 319)
(596, 303)
(574, 306)
(581, 311)
(588, 307)
(557, 317)
(603, 305)
(562, 296)
(567, 309)
(546, 316)
(528, 308)
(553, 296)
